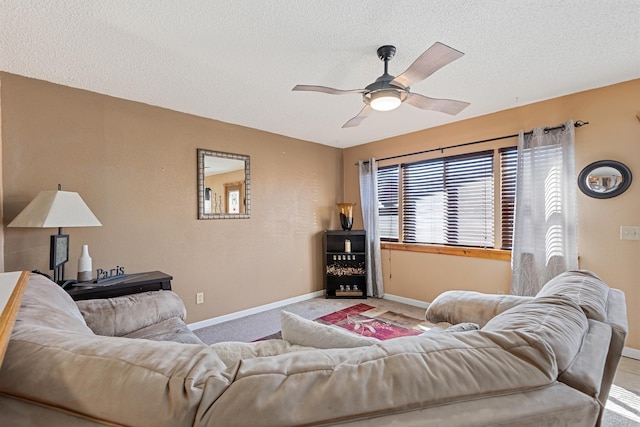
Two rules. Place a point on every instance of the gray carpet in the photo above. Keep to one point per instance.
(256, 326)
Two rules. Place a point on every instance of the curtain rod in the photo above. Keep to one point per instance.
(577, 124)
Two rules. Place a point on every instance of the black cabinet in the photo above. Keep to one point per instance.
(345, 264)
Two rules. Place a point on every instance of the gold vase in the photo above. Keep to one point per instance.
(346, 215)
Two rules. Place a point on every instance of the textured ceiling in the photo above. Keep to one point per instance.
(236, 61)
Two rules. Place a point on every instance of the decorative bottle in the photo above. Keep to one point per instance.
(84, 265)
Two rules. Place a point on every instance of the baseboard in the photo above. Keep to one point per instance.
(631, 353)
(408, 301)
(254, 310)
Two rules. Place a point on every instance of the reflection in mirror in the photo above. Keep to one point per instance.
(604, 179)
(223, 185)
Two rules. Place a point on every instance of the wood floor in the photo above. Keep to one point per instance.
(623, 406)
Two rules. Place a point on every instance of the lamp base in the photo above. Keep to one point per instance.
(59, 254)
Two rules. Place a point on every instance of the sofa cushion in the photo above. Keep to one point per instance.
(462, 327)
(123, 381)
(129, 313)
(557, 320)
(46, 304)
(304, 332)
(172, 329)
(233, 351)
(582, 287)
(401, 374)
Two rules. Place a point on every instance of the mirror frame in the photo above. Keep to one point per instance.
(588, 170)
(247, 185)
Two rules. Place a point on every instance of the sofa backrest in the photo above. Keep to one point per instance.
(123, 315)
(555, 319)
(469, 306)
(582, 287)
(46, 304)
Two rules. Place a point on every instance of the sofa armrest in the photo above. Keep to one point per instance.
(617, 319)
(468, 306)
(586, 370)
(122, 315)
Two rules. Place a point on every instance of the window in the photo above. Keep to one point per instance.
(388, 184)
(508, 163)
(448, 201)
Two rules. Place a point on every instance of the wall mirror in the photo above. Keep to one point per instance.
(223, 185)
(604, 179)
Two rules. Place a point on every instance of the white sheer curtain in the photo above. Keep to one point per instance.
(544, 231)
(369, 203)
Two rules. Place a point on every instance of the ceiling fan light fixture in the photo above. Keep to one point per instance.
(385, 100)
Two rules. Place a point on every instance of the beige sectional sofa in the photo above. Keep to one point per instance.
(547, 360)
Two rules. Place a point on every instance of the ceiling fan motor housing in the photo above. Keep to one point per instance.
(382, 87)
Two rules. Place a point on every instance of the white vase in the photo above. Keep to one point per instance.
(84, 265)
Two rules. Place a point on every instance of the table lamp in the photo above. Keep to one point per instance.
(57, 209)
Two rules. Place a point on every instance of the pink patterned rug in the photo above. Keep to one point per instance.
(368, 321)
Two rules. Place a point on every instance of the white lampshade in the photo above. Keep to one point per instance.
(56, 209)
(385, 100)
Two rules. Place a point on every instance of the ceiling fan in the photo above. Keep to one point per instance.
(388, 92)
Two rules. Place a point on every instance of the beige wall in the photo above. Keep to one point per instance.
(135, 166)
(613, 133)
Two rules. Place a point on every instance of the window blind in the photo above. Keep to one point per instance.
(388, 203)
(449, 201)
(508, 163)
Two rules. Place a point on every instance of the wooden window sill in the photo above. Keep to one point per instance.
(497, 254)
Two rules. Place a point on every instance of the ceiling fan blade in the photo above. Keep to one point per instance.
(448, 106)
(363, 114)
(434, 58)
(324, 89)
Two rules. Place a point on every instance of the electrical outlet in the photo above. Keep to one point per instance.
(199, 297)
(629, 232)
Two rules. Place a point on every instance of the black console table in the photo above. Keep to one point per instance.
(129, 284)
